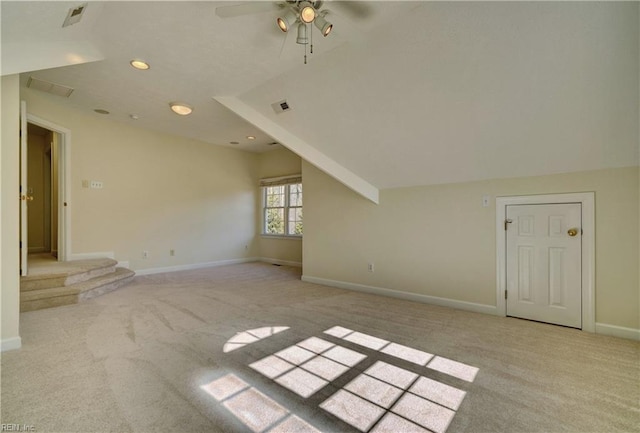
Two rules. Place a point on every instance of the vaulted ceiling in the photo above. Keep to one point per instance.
(400, 94)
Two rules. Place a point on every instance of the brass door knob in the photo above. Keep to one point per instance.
(572, 232)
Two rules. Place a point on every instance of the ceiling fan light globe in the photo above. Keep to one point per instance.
(282, 24)
(285, 22)
(307, 12)
(323, 25)
(302, 34)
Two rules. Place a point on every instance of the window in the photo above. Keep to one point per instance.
(282, 209)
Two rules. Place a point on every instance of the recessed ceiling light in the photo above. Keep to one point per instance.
(250, 137)
(139, 64)
(181, 108)
(134, 116)
(101, 111)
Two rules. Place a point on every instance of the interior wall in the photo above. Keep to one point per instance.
(160, 192)
(10, 211)
(36, 187)
(440, 241)
(276, 163)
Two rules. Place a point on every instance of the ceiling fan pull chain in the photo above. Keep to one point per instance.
(311, 39)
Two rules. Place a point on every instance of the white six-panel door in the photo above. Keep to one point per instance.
(543, 251)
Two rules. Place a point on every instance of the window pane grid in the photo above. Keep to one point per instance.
(282, 212)
(294, 225)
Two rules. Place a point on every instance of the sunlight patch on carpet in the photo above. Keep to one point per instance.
(244, 338)
(253, 408)
(380, 397)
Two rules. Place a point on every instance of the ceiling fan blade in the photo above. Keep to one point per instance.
(356, 10)
(246, 8)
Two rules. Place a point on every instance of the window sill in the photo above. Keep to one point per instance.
(292, 238)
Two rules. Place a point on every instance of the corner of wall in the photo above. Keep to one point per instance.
(9, 224)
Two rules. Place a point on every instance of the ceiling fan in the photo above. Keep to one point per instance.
(300, 14)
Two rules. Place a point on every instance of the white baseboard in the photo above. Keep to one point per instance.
(416, 297)
(618, 331)
(124, 264)
(150, 271)
(280, 262)
(10, 344)
(84, 256)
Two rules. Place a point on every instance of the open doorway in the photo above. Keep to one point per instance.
(43, 187)
(45, 191)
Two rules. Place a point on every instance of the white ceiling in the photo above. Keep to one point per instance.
(415, 93)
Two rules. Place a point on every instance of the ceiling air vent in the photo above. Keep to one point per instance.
(46, 86)
(281, 106)
(74, 15)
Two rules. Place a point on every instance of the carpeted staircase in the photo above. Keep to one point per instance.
(74, 282)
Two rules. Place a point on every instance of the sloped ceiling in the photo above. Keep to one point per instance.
(32, 27)
(415, 93)
(468, 91)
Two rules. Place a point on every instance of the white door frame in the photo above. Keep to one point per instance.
(587, 199)
(24, 191)
(64, 184)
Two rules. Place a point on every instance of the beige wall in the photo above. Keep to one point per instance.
(160, 192)
(273, 164)
(10, 211)
(440, 241)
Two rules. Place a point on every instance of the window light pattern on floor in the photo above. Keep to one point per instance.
(438, 363)
(409, 402)
(384, 398)
(308, 366)
(257, 411)
(241, 339)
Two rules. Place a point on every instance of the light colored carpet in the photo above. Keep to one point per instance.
(137, 360)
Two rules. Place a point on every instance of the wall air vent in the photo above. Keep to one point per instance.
(281, 106)
(48, 87)
(74, 15)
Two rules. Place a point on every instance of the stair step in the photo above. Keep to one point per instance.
(66, 295)
(104, 284)
(68, 273)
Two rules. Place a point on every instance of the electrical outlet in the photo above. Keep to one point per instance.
(145, 254)
(370, 267)
(485, 201)
(172, 252)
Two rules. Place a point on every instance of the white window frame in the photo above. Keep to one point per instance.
(285, 181)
